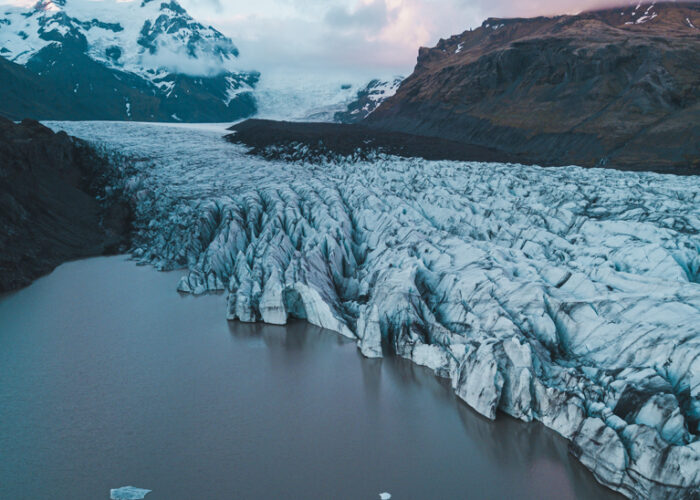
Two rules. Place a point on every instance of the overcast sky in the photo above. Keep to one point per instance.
(371, 36)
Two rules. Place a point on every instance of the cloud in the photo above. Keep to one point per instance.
(367, 17)
(376, 37)
(379, 37)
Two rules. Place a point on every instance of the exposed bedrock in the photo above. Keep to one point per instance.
(616, 88)
(565, 296)
(53, 203)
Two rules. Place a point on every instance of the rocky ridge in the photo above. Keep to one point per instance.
(55, 203)
(617, 87)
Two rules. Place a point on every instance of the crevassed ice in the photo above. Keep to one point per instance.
(563, 295)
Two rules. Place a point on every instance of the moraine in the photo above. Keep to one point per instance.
(562, 295)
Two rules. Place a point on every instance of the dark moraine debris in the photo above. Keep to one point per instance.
(53, 205)
(276, 139)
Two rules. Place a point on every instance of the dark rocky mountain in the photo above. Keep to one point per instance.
(24, 93)
(617, 87)
(149, 61)
(53, 203)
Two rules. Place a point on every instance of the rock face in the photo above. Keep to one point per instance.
(48, 207)
(569, 296)
(147, 61)
(618, 87)
(368, 99)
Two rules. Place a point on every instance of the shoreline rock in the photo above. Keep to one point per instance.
(49, 207)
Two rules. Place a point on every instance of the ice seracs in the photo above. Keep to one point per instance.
(563, 295)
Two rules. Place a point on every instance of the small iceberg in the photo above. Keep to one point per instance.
(385, 496)
(128, 493)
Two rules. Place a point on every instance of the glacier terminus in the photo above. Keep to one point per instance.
(564, 295)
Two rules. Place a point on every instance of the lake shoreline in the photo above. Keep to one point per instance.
(393, 427)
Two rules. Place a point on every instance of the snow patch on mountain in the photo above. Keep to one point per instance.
(563, 295)
(378, 90)
(639, 13)
(368, 99)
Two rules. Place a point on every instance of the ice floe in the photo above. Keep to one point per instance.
(128, 493)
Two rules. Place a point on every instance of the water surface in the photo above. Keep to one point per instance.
(109, 378)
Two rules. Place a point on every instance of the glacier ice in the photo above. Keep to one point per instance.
(563, 295)
(128, 493)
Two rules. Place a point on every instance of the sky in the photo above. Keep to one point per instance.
(377, 37)
(373, 38)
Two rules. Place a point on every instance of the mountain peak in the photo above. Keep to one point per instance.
(49, 5)
(156, 42)
(151, 36)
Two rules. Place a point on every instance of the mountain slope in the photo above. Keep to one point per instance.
(618, 87)
(368, 99)
(147, 61)
(24, 93)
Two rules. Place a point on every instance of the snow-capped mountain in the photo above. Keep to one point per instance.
(312, 96)
(154, 61)
(368, 99)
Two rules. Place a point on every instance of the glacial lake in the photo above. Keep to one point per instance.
(109, 377)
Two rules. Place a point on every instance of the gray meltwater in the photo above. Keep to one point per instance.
(108, 377)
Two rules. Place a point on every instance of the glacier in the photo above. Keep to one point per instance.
(293, 95)
(564, 295)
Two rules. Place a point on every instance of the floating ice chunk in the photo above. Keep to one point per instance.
(385, 496)
(128, 493)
